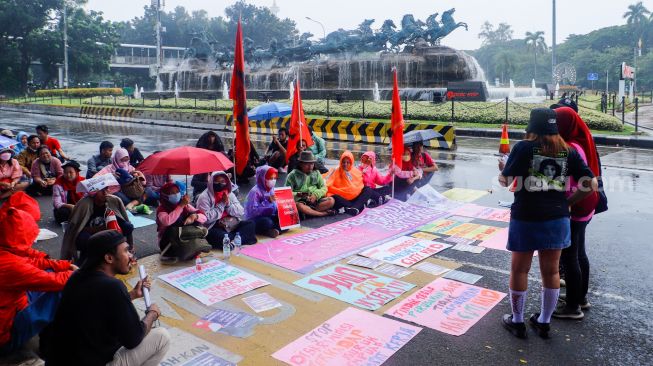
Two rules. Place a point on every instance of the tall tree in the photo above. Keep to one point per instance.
(636, 15)
(491, 36)
(535, 41)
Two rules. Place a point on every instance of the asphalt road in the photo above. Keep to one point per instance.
(618, 330)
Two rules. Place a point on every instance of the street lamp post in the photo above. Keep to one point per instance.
(321, 25)
(553, 43)
(65, 45)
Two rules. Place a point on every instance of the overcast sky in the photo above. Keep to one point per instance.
(574, 16)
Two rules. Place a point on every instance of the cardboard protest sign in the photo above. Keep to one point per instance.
(355, 286)
(448, 306)
(463, 276)
(464, 194)
(405, 250)
(460, 229)
(394, 271)
(216, 281)
(481, 212)
(262, 302)
(432, 268)
(307, 251)
(286, 208)
(353, 337)
(365, 262)
(233, 323)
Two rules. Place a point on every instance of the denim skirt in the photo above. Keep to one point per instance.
(527, 236)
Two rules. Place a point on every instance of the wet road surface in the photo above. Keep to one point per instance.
(618, 330)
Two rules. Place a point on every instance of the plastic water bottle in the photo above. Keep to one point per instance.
(238, 242)
(226, 247)
(198, 263)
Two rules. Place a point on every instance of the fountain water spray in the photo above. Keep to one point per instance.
(137, 92)
(159, 84)
(377, 93)
(225, 91)
(291, 90)
(176, 90)
(512, 94)
(533, 88)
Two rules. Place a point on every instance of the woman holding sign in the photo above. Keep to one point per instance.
(261, 205)
(540, 215)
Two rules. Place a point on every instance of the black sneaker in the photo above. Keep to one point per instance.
(584, 305)
(542, 329)
(352, 211)
(567, 312)
(517, 329)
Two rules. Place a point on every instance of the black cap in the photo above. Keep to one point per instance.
(542, 122)
(71, 164)
(100, 244)
(565, 102)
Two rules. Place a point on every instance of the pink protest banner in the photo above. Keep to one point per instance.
(405, 250)
(482, 212)
(216, 281)
(305, 252)
(448, 306)
(352, 337)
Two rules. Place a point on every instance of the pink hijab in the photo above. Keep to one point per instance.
(117, 164)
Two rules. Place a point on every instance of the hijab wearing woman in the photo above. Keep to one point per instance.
(345, 181)
(69, 181)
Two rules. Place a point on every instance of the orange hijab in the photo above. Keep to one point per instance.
(346, 184)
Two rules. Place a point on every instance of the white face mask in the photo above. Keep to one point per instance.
(174, 198)
(5, 156)
(271, 183)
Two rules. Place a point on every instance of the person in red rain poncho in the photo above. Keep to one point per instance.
(30, 282)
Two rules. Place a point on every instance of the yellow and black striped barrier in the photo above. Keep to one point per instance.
(100, 112)
(353, 131)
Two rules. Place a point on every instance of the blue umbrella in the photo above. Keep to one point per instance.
(269, 110)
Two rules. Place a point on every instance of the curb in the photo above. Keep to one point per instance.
(606, 140)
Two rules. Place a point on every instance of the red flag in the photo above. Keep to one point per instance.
(397, 124)
(298, 127)
(239, 96)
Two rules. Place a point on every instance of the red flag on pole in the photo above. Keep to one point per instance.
(298, 127)
(239, 96)
(397, 124)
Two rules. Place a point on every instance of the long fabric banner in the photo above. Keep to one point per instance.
(448, 306)
(353, 337)
(355, 286)
(216, 281)
(308, 251)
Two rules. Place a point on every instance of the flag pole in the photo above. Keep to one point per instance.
(234, 145)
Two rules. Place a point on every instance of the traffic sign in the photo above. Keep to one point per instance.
(592, 76)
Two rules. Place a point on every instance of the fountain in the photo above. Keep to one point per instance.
(291, 90)
(159, 84)
(377, 93)
(176, 90)
(512, 93)
(533, 88)
(225, 91)
(137, 92)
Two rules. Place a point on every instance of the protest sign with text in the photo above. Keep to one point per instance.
(405, 250)
(286, 208)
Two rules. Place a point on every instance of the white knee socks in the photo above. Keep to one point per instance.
(549, 302)
(518, 303)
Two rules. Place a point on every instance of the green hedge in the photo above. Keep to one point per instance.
(79, 92)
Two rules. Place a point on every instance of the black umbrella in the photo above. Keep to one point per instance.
(420, 136)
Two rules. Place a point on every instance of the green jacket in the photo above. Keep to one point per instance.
(302, 183)
(318, 148)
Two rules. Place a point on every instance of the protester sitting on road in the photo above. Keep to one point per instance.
(10, 174)
(210, 141)
(174, 212)
(347, 182)
(96, 323)
(64, 191)
(135, 156)
(540, 216)
(30, 282)
(26, 157)
(261, 205)
(98, 162)
(96, 212)
(294, 159)
(45, 170)
(574, 259)
(224, 213)
(420, 159)
(153, 188)
(319, 151)
(52, 143)
(309, 189)
(121, 168)
(9, 134)
(373, 178)
(275, 155)
(21, 144)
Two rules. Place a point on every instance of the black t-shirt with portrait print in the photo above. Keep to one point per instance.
(542, 180)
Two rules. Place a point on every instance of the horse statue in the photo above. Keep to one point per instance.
(433, 29)
(449, 24)
(385, 34)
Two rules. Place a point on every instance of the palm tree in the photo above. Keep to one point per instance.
(535, 41)
(636, 15)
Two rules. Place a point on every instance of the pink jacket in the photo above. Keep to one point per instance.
(371, 175)
(166, 219)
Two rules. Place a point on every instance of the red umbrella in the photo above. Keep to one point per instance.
(185, 160)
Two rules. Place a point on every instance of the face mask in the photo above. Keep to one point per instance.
(405, 158)
(123, 164)
(174, 198)
(5, 156)
(271, 183)
(218, 187)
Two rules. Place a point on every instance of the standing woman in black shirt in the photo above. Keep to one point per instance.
(541, 166)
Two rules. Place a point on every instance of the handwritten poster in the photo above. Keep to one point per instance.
(355, 286)
(448, 306)
(307, 251)
(464, 194)
(234, 323)
(481, 212)
(216, 281)
(286, 208)
(460, 229)
(405, 250)
(353, 337)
